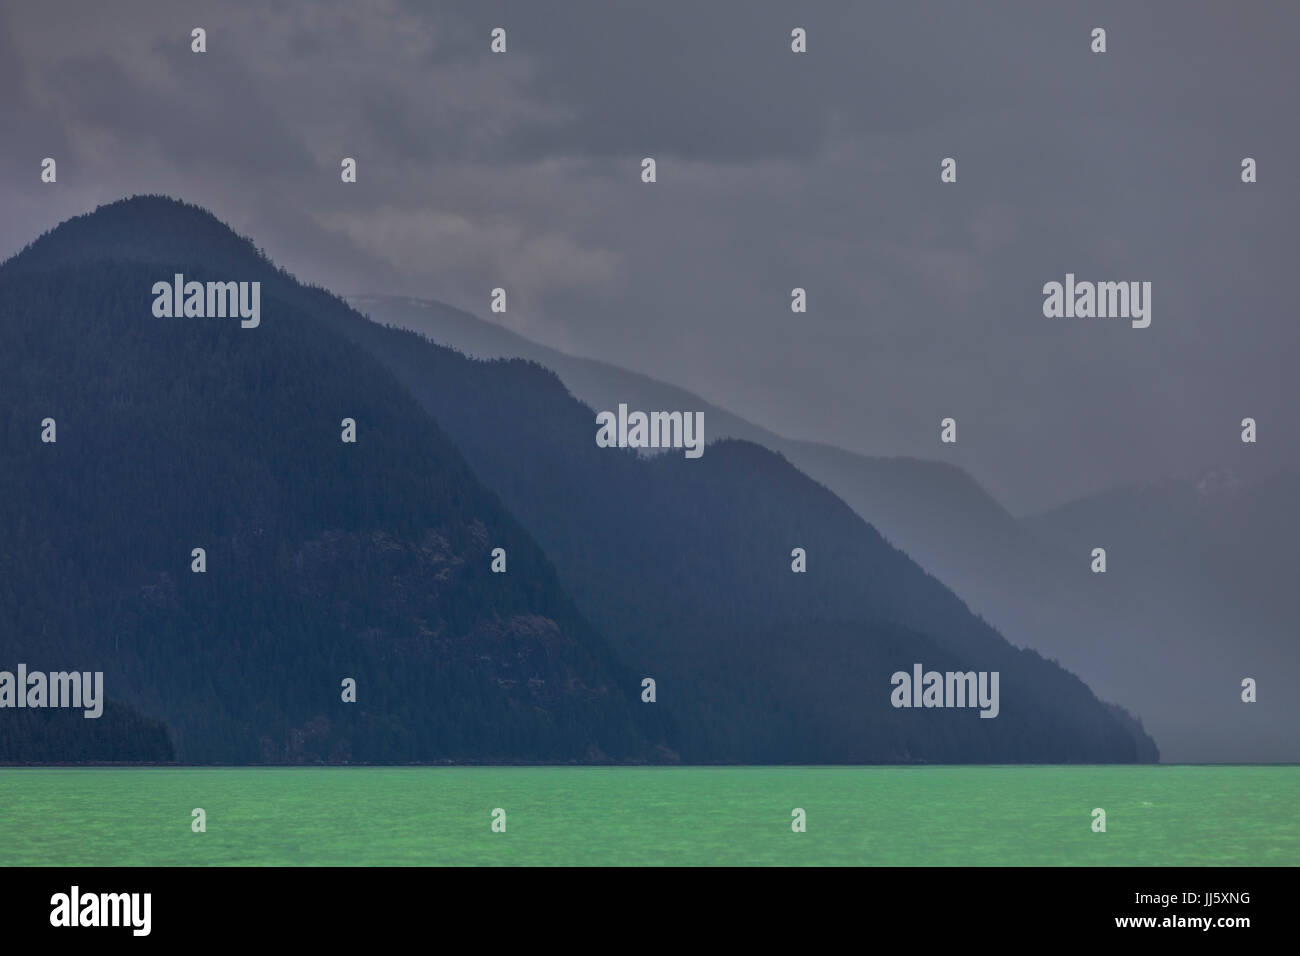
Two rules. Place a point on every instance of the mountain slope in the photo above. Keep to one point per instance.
(933, 511)
(324, 563)
(325, 560)
(1036, 591)
(1200, 591)
(712, 601)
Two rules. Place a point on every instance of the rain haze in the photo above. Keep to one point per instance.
(774, 171)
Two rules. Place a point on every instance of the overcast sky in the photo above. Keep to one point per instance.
(775, 170)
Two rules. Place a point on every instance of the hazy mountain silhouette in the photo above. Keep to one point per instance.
(1029, 578)
(325, 560)
(536, 446)
(328, 560)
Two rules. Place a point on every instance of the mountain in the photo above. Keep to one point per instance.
(324, 560)
(1212, 562)
(118, 735)
(595, 383)
(328, 560)
(1032, 590)
(1029, 578)
(686, 564)
(933, 511)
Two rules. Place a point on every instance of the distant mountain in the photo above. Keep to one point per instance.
(686, 565)
(1211, 562)
(933, 511)
(328, 560)
(1031, 583)
(595, 383)
(324, 560)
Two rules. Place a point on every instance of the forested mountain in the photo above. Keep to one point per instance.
(324, 560)
(1196, 596)
(686, 564)
(1036, 590)
(118, 735)
(327, 560)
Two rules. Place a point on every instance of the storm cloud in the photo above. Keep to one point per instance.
(775, 170)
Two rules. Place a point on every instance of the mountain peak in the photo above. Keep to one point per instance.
(144, 228)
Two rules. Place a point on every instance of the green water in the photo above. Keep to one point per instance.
(633, 816)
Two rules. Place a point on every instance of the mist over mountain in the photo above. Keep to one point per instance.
(328, 560)
(536, 445)
(777, 170)
(325, 561)
(1166, 642)
(1205, 569)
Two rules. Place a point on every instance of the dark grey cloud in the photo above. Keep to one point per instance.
(775, 170)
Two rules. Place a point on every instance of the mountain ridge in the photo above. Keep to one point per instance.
(1036, 587)
(182, 432)
(687, 571)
